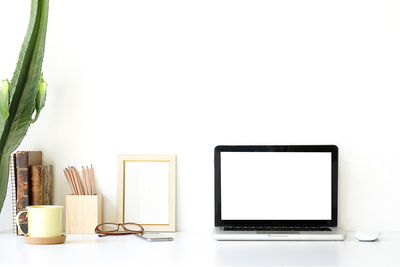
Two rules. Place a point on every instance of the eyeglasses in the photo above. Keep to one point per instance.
(105, 229)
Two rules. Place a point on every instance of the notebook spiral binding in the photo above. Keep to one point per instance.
(12, 180)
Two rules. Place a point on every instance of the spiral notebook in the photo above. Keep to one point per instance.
(13, 182)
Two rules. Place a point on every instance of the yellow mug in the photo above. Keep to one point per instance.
(43, 221)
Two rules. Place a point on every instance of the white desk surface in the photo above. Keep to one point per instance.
(199, 249)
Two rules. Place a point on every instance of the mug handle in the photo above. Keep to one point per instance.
(17, 218)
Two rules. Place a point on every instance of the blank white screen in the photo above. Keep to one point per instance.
(146, 192)
(275, 185)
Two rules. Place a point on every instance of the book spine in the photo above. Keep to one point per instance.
(22, 187)
(47, 185)
(36, 185)
(13, 182)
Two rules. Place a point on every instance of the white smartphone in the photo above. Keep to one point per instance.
(155, 237)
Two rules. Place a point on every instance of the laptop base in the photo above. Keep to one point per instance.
(334, 235)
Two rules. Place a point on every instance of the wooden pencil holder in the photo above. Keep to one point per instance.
(83, 213)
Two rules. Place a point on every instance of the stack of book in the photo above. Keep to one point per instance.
(31, 184)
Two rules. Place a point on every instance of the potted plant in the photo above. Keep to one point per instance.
(22, 100)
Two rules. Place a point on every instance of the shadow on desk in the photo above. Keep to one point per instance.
(77, 241)
(303, 253)
(278, 253)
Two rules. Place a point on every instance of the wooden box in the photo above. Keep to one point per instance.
(83, 213)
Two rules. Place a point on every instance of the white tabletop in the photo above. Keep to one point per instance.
(199, 249)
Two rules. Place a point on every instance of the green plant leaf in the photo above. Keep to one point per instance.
(40, 97)
(4, 98)
(23, 89)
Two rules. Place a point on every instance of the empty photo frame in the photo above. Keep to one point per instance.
(146, 191)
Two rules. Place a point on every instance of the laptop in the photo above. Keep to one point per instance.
(277, 192)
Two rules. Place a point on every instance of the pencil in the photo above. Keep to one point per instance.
(72, 181)
(84, 190)
(92, 177)
(69, 181)
(87, 191)
(78, 178)
(89, 180)
(75, 180)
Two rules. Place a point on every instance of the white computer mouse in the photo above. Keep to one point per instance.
(367, 236)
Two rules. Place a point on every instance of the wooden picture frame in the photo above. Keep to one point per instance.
(146, 191)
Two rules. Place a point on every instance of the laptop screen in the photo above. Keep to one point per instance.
(276, 186)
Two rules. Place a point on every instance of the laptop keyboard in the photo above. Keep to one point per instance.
(275, 228)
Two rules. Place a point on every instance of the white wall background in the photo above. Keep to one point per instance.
(182, 76)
